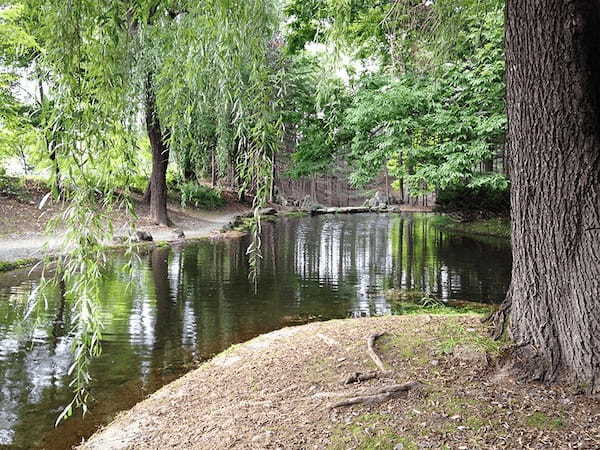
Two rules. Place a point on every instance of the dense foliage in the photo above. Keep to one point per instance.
(433, 125)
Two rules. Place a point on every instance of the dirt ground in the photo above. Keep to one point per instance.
(23, 224)
(277, 392)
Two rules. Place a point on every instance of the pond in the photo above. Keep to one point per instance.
(182, 305)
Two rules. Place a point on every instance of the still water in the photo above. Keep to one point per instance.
(182, 305)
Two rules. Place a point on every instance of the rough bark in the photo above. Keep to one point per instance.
(160, 160)
(147, 193)
(553, 97)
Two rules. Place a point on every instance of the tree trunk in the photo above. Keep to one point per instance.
(148, 192)
(213, 169)
(160, 160)
(553, 97)
(50, 145)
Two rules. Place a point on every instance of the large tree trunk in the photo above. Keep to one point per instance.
(553, 96)
(160, 160)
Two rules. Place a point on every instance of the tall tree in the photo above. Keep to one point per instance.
(157, 186)
(553, 96)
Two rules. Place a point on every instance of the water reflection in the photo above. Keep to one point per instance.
(180, 306)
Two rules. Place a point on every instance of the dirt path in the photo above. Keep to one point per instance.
(32, 245)
(276, 392)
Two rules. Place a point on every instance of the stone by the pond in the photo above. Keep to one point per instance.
(143, 236)
(267, 211)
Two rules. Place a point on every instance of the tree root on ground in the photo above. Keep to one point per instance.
(378, 395)
(499, 318)
(371, 350)
(358, 377)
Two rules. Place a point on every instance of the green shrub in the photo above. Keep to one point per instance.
(14, 187)
(200, 196)
(486, 201)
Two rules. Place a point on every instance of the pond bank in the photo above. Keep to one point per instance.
(277, 391)
(495, 227)
(18, 251)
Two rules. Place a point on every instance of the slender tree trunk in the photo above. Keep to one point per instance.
(272, 181)
(50, 144)
(213, 169)
(387, 186)
(488, 165)
(553, 96)
(160, 160)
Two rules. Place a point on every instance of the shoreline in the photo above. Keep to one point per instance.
(283, 390)
(23, 252)
(31, 250)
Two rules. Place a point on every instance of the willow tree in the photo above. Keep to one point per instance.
(117, 68)
(553, 97)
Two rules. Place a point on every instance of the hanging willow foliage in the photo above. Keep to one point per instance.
(211, 67)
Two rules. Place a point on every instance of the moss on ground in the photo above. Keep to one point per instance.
(452, 334)
(543, 421)
(369, 432)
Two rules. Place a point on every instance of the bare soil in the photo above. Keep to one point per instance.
(276, 392)
(23, 224)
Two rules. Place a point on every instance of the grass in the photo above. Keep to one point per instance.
(498, 226)
(406, 347)
(7, 266)
(245, 224)
(369, 432)
(453, 334)
(542, 421)
(414, 301)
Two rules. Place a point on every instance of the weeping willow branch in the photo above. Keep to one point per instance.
(98, 54)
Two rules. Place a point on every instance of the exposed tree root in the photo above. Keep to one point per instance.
(357, 377)
(499, 318)
(378, 395)
(371, 350)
